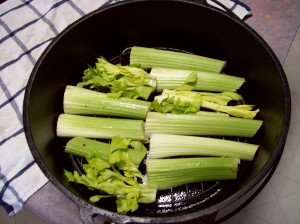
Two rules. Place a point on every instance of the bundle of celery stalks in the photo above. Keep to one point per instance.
(179, 134)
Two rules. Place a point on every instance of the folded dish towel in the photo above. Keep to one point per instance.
(239, 8)
(27, 27)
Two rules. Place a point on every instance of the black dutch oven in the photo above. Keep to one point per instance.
(186, 26)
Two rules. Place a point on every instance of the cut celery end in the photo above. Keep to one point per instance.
(168, 173)
(148, 193)
(150, 57)
(172, 78)
(83, 147)
(164, 145)
(82, 101)
(193, 124)
(69, 125)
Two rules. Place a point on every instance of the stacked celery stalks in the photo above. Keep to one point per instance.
(185, 141)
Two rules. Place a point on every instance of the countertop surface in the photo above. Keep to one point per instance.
(276, 21)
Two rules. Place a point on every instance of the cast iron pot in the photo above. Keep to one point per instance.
(183, 25)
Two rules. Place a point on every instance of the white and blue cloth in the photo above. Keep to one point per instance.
(239, 8)
(26, 29)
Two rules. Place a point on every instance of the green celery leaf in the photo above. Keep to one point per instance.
(185, 88)
(104, 65)
(189, 83)
(117, 177)
(126, 204)
(122, 81)
(119, 143)
(97, 197)
(220, 98)
(80, 179)
(176, 106)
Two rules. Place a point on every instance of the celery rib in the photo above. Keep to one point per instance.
(150, 57)
(168, 173)
(69, 125)
(194, 124)
(84, 147)
(82, 101)
(169, 78)
(232, 110)
(164, 145)
(213, 101)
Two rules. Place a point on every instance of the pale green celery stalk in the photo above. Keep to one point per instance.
(69, 125)
(84, 147)
(236, 111)
(218, 102)
(150, 57)
(222, 98)
(168, 78)
(83, 101)
(168, 173)
(195, 124)
(164, 145)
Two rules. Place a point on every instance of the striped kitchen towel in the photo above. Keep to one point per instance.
(239, 8)
(26, 29)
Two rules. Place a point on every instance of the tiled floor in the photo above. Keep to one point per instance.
(279, 202)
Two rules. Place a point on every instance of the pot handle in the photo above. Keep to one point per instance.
(87, 216)
(90, 215)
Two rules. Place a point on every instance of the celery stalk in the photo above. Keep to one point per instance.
(78, 100)
(172, 78)
(69, 125)
(195, 124)
(164, 145)
(237, 111)
(168, 173)
(150, 57)
(213, 101)
(83, 147)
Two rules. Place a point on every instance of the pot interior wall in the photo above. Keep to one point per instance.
(180, 25)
